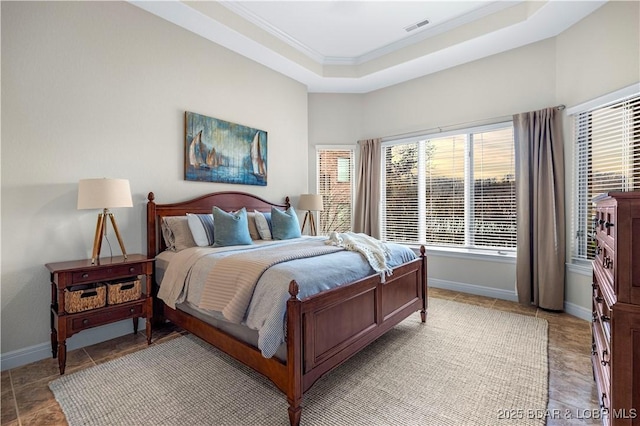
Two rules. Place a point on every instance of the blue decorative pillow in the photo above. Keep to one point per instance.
(230, 229)
(285, 224)
(268, 217)
(201, 226)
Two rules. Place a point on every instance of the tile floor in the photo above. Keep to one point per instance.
(27, 400)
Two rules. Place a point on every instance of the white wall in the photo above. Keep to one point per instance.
(99, 89)
(598, 55)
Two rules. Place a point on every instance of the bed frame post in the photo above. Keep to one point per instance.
(152, 250)
(294, 354)
(151, 226)
(423, 279)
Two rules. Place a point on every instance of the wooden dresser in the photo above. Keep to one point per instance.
(616, 307)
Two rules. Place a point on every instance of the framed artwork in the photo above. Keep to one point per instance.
(220, 151)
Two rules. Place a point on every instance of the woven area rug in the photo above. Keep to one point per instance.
(466, 365)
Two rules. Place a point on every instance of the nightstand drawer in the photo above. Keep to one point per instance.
(80, 322)
(106, 273)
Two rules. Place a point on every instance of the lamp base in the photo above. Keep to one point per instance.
(101, 231)
(312, 224)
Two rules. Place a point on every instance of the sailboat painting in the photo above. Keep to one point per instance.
(219, 151)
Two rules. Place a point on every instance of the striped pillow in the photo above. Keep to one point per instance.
(201, 226)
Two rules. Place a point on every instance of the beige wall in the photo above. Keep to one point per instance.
(334, 119)
(597, 55)
(500, 85)
(99, 89)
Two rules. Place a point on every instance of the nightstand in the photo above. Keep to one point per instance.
(71, 281)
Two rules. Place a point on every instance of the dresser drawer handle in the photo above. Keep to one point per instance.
(132, 269)
(593, 349)
(131, 310)
(594, 316)
(605, 318)
(599, 299)
(602, 404)
(85, 275)
(604, 354)
(608, 224)
(85, 321)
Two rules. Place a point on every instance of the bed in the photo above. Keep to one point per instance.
(322, 330)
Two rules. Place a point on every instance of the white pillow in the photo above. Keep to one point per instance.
(253, 230)
(262, 225)
(201, 226)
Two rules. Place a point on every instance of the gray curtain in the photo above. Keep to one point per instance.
(366, 210)
(540, 208)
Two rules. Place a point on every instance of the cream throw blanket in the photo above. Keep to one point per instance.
(172, 286)
(375, 251)
(230, 284)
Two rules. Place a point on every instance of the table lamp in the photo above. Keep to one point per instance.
(310, 203)
(104, 194)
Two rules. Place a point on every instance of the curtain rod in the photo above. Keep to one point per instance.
(440, 129)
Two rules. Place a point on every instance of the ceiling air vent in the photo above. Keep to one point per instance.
(416, 25)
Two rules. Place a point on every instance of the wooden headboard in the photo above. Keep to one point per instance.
(227, 201)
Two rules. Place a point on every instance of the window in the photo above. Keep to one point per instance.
(335, 184)
(607, 159)
(456, 189)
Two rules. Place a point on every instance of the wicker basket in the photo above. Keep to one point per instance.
(84, 297)
(123, 291)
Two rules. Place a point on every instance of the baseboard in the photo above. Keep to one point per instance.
(577, 311)
(478, 290)
(90, 337)
(570, 308)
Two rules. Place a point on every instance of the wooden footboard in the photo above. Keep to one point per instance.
(327, 329)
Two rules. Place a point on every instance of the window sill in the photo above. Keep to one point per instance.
(469, 254)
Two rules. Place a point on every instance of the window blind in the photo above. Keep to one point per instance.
(607, 159)
(454, 190)
(445, 194)
(335, 184)
(494, 189)
(400, 219)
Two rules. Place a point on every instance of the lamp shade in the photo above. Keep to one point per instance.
(104, 193)
(311, 202)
